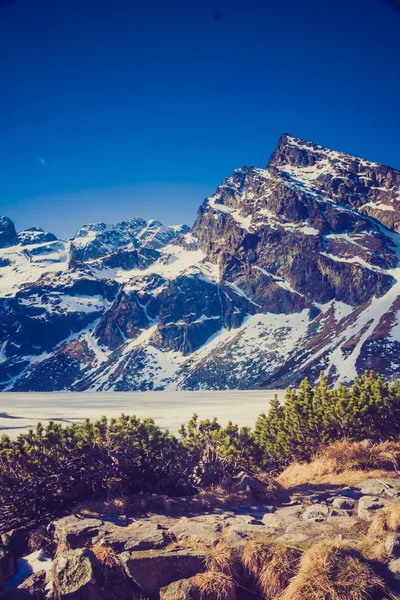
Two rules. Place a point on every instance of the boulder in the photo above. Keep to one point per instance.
(75, 530)
(180, 590)
(349, 492)
(342, 522)
(248, 483)
(37, 585)
(379, 487)
(202, 530)
(80, 575)
(7, 563)
(283, 517)
(344, 503)
(367, 506)
(238, 533)
(138, 536)
(153, 569)
(392, 545)
(316, 512)
(16, 540)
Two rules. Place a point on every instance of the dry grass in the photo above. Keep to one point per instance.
(107, 557)
(224, 559)
(344, 463)
(114, 507)
(213, 585)
(255, 556)
(61, 548)
(275, 576)
(373, 548)
(386, 520)
(272, 565)
(334, 570)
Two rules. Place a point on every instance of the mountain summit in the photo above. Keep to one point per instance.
(287, 270)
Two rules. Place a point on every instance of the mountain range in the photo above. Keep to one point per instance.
(287, 271)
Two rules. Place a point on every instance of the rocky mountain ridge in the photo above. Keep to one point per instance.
(287, 270)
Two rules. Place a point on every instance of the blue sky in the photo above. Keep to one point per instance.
(114, 109)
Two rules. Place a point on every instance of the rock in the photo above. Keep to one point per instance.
(7, 563)
(16, 540)
(340, 512)
(344, 503)
(138, 536)
(392, 545)
(199, 529)
(75, 531)
(79, 575)
(378, 487)
(316, 512)
(238, 533)
(246, 482)
(283, 517)
(36, 585)
(367, 505)
(180, 590)
(342, 522)
(349, 492)
(154, 569)
(293, 538)
(1, 579)
(7, 232)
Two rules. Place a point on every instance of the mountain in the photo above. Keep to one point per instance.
(287, 270)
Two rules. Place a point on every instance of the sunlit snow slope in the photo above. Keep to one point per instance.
(287, 271)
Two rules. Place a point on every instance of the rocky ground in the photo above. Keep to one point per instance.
(101, 556)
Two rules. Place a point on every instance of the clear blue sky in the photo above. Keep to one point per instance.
(114, 109)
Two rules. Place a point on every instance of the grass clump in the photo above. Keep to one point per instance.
(224, 559)
(214, 585)
(272, 565)
(336, 571)
(386, 520)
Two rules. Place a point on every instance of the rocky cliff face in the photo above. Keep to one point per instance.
(287, 270)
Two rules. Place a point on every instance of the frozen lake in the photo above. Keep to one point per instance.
(20, 412)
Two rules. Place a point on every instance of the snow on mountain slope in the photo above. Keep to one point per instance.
(287, 270)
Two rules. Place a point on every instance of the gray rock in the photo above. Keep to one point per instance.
(293, 538)
(155, 569)
(247, 482)
(79, 575)
(241, 532)
(344, 522)
(16, 540)
(76, 530)
(340, 512)
(180, 590)
(138, 536)
(349, 492)
(7, 563)
(344, 503)
(392, 545)
(316, 512)
(199, 529)
(367, 506)
(36, 586)
(379, 487)
(283, 517)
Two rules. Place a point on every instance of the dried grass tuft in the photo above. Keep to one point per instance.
(225, 559)
(275, 576)
(386, 520)
(213, 585)
(335, 570)
(61, 548)
(107, 557)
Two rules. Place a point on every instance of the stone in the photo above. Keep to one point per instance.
(241, 532)
(377, 487)
(7, 563)
(392, 545)
(138, 536)
(367, 506)
(315, 512)
(341, 502)
(79, 575)
(342, 522)
(246, 482)
(283, 517)
(349, 492)
(16, 540)
(75, 531)
(340, 512)
(293, 538)
(199, 529)
(36, 585)
(180, 590)
(153, 569)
